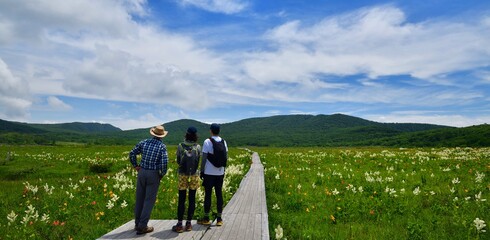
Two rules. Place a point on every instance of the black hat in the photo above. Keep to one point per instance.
(191, 130)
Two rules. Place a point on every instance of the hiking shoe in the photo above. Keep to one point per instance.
(144, 230)
(188, 226)
(204, 221)
(219, 222)
(178, 228)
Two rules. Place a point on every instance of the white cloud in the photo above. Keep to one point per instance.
(147, 120)
(374, 41)
(221, 6)
(14, 99)
(97, 50)
(80, 49)
(56, 104)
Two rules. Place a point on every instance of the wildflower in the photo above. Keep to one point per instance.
(110, 205)
(360, 189)
(299, 186)
(455, 199)
(452, 190)
(275, 206)
(479, 177)
(416, 191)
(313, 185)
(332, 218)
(11, 217)
(455, 181)
(45, 218)
(277, 176)
(480, 225)
(124, 204)
(89, 189)
(279, 232)
(432, 193)
(478, 198)
(335, 192)
(56, 222)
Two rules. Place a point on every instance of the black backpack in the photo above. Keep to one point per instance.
(219, 156)
(189, 159)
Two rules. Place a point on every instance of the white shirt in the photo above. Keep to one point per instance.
(207, 147)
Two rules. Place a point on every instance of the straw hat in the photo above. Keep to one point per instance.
(158, 131)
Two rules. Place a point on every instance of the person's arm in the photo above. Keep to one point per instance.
(163, 169)
(204, 158)
(203, 162)
(179, 150)
(132, 155)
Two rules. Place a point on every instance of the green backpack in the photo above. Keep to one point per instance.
(189, 159)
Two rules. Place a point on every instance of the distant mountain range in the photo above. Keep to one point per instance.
(282, 131)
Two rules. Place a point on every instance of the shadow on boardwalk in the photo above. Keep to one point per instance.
(245, 216)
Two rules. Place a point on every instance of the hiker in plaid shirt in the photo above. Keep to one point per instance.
(152, 168)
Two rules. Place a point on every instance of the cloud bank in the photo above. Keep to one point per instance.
(372, 55)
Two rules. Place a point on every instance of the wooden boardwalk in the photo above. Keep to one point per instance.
(245, 216)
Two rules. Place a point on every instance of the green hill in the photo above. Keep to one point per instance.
(281, 131)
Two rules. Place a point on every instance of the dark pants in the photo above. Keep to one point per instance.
(209, 183)
(146, 195)
(191, 207)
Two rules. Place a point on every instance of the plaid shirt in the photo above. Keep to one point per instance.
(153, 155)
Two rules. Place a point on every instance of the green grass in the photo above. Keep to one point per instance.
(314, 193)
(58, 182)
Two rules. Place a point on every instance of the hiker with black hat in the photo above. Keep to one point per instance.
(188, 156)
(152, 168)
(214, 155)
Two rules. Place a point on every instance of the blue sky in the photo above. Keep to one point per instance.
(138, 63)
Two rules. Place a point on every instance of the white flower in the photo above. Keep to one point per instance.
(279, 232)
(89, 189)
(82, 181)
(479, 177)
(110, 204)
(360, 189)
(467, 198)
(478, 198)
(455, 181)
(452, 190)
(402, 190)
(313, 185)
(275, 206)
(299, 186)
(11, 217)
(455, 199)
(114, 198)
(277, 176)
(124, 204)
(45, 218)
(416, 191)
(335, 192)
(480, 225)
(432, 193)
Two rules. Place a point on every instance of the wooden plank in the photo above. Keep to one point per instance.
(245, 216)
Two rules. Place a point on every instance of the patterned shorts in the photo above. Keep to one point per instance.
(188, 182)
